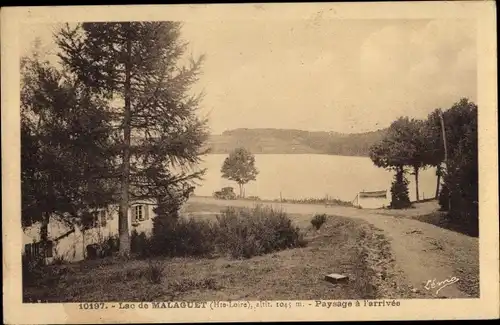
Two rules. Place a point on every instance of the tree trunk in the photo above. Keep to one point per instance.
(438, 172)
(241, 189)
(125, 177)
(415, 168)
(445, 156)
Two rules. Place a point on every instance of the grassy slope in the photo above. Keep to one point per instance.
(342, 245)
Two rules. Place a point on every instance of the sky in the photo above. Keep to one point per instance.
(323, 75)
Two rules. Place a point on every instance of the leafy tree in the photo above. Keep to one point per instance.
(158, 136)
(461, 174)
(410, 134)
(393, 152)
(64, 141)
(403, 145)
(239, 166)
(390, 154)
(460, 130)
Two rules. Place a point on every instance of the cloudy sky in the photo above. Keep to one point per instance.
(332, 75)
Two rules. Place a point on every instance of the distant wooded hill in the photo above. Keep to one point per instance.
(287, 141)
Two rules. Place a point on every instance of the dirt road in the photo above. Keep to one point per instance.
(437, 262)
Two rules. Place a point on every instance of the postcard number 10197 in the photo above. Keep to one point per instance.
(91, 305)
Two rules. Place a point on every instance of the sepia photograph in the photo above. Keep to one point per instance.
(230, 162)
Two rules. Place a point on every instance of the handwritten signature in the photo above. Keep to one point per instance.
(433, 284)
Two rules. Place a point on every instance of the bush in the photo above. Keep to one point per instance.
(464, 210)
(37, 272)
(325, 201)
(111, 245)
(399, 192)
(32, 269)
(250, 232)
(444, 198)
(238, 233)
(155, 271)
(58, 260)
(318, 220)
(106, 247)
(182, 237)
(140, 244)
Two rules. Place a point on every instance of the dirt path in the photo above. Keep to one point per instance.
(423, 252)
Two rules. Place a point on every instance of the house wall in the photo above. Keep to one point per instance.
(72, 248)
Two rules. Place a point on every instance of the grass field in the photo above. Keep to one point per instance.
(347, 246)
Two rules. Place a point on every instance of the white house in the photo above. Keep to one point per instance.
(372, 200)
(70, 242)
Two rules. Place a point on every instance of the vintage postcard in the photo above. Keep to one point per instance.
(250, 162)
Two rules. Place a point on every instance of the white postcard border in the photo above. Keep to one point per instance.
(487, 306)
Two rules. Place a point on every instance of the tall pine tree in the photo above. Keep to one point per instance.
(158, 133)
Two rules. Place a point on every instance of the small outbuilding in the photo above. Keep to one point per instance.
(372, 199)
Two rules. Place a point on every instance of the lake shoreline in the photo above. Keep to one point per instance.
(330, 202)
(292, 153)
(305, 176)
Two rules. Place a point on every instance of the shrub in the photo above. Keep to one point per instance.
(318, 220)
(325, 201)
(37, 272)
(32, 269)
(155, 271)
(444, 198)
(399, 191)
(59, 260)
(105, 247)
(110, 245)
(245, 233)
(140, 244)
(239, 233)
(182, 237)
(92, 251)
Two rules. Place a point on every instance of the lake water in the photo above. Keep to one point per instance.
(311, 176)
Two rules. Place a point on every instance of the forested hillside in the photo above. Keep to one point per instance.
(287, 141)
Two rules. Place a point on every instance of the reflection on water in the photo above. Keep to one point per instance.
(312, 176)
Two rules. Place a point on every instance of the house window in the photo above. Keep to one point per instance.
(28, 250)
(95, 219)
(139, 213)
(94, 222)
